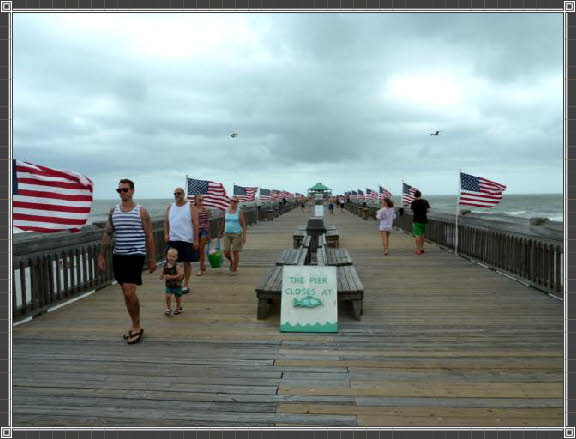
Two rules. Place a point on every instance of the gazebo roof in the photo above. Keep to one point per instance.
(319, 187)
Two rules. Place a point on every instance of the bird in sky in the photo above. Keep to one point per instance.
(234, 135)
(437, 133)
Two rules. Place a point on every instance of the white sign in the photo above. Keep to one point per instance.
(309, 299)
(319, 210)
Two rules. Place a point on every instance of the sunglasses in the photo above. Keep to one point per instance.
(178, 193)
(234, 201)
(124, 189)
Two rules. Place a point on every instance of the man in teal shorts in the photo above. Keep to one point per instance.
(420, 208)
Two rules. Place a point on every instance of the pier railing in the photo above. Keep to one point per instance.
(50, 269)
(535, 260)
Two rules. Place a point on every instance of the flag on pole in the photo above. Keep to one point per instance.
(407, 194)
(245, 194)
(214, 194)
(371, 195)
(384, 193)
(479, 192)
(360, 195)
(265, 196)
(49, 200)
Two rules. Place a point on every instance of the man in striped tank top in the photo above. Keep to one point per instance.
(132, 229)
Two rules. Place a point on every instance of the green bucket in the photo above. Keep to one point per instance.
(214, 256)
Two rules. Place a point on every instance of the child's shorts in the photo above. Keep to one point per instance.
(177, 291)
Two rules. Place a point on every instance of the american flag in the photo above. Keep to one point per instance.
(265, 196)
(360, 195)
(49, 200)
(371, 195)
(479, 192)
(274, 194)
(245, 193)
(214, 193)
(384, 193)
(353, 195)
(407, 194)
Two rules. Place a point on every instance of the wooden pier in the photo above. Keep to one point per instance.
(442, 342)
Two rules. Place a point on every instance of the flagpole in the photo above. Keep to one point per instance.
(457, 213)
(186, 186)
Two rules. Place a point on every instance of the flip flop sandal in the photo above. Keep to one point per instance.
(184, 290)
(129, 334)
(178, 311)
(138, 336)
(167, 313)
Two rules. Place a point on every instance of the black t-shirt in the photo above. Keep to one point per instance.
(419, 208)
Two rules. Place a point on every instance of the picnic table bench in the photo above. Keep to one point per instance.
(333, 256)
(293, 256)
(300, 239)
(349, 288)
(333, 238)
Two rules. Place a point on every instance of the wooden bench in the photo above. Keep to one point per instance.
(301, 239)
(333, 238)
(349, 287)
(333, 256)
(293, 257)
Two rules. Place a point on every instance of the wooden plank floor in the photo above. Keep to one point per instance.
(443, 342)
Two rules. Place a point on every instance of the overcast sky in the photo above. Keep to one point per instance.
(345, 99)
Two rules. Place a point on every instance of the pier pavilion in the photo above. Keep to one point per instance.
(319, 189)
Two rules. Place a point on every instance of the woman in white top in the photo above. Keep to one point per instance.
(386, 217)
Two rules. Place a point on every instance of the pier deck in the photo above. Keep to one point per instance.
(443, 342)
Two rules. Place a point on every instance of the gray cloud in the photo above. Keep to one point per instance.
(348, 99)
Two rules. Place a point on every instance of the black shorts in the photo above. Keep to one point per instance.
(128, 268)
(186, 253)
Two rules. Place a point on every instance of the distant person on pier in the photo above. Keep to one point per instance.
(132, 229)
(386, 217)
(420, 208)
(172, 275)
(303, 203)
(204, 234)
(341, 202)
(233, 229)
(181, 232)
(331, 205)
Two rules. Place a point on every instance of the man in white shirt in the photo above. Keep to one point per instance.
(181, 232)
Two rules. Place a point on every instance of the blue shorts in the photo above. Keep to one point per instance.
(177, 291)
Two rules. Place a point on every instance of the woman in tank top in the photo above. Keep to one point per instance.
(203, 221)
(234, 231)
